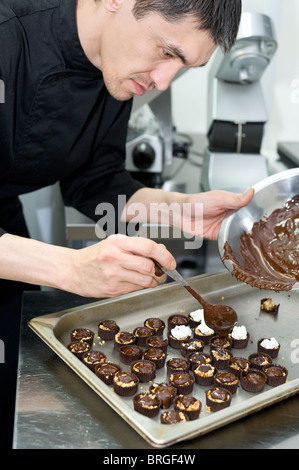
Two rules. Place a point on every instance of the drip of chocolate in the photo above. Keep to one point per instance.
(270, 252)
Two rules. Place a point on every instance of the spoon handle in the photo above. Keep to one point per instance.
(174, 274)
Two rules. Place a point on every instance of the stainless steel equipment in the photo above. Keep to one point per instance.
(145, 152)
(154, 146)
(237, 111)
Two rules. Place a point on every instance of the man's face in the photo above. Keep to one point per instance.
(137, 56)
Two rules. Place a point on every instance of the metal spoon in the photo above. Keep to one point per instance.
(221, 318)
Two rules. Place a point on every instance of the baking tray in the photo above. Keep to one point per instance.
(131, 310)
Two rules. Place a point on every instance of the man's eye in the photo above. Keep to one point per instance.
(167, 54)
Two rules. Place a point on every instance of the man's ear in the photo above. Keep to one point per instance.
(112, 5)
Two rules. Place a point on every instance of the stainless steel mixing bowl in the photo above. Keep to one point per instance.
(270, 194)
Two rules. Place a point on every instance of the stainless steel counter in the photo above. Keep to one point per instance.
(56, 410)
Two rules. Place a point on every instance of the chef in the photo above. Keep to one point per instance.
(70, 69)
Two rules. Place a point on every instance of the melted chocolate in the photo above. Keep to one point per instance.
(124, 337)
(147, 400)
(270, 252)
(145, 366)
(108, 369)
(109, 324)
(154, 353)
(275, 371)
(173, 416)
(126, 377)
(181, 378)
(226, 377)
(255, 378)
(165, 392)
(240, 362)
(219, 394)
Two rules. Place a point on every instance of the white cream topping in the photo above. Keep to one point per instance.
(270, 343)
(239, 332)
(181, 331)
(204, 329)
(197, 315)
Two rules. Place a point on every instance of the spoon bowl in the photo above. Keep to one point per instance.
(221, 318)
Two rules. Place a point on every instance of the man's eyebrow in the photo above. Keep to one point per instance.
(178, 52)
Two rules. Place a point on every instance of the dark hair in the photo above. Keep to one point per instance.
(220, 17)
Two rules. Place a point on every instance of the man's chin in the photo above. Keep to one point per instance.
(118, 94)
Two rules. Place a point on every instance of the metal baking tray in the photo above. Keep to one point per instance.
(131, 310)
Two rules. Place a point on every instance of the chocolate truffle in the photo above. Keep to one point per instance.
(92, 358)
(107, 329)
(226, 380)
(204, 374)
(191, 406)
(123, 338)
(223, 342)
(78, 348)
(157, 342)
(269, 346)
(182, 381)
(144, 369)
(276, 374)
(259, 360)
(173, 417)
(253, 381)
(177, 320)
(267, 305)
(237, 365)
(239, 337)
(203, 332)
(107, 371)
(198, 358)
(147, 404)
(178, 334)
(218, 398)
(191, 346)
(177, 364)
(82, 334)
(142, 333)
(221, 357)
(155, 324)
(156, 355)
(165, 392)
(130, 353)
(196, 317)
(125, 383)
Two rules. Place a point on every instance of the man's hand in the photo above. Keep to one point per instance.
(216, 206)
(118, 265)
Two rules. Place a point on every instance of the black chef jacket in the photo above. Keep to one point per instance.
(58, 122)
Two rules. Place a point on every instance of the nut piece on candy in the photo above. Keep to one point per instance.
(269, 306)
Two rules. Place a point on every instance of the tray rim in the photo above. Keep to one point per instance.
(44, 326)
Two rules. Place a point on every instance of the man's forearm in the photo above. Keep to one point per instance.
(152, 206)
(33, 262)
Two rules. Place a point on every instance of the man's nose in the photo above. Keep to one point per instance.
(164, 74)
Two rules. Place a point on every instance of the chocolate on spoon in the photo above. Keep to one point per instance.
(221, 318)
